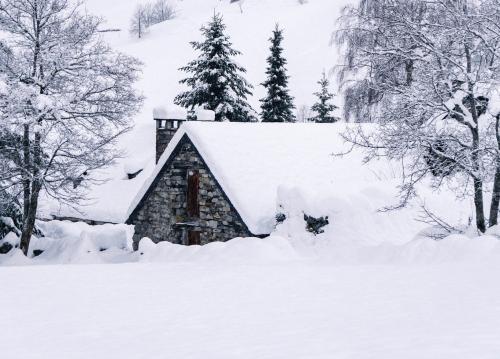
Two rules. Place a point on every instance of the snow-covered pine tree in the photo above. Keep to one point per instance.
(278, 105)
(216, 82)
(323, 108)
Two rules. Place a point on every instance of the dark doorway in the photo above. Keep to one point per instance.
(193, 189)
(194, 238)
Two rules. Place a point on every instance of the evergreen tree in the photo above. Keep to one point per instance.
(277, 106)
(324, 108)
(216, 82)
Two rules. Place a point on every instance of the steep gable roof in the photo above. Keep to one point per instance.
(252, 161)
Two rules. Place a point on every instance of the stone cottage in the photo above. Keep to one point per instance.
(184, 203)
(217, 181)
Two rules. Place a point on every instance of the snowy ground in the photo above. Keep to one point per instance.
(251, 298)
(301, 310)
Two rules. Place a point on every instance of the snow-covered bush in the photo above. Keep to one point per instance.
(9, 242)
(11, 220)
(301, 211)
(316, 225)
(72, 242)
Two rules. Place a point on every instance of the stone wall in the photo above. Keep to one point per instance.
(162, 214)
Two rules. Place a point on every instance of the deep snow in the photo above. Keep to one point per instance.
(242, 300)
(311, 312)
(288, 296)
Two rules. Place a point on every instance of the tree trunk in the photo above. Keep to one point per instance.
(409, 67)
(26, 165)
(29, 222)
(479, 204)
(26, 234)
(31, 205)
(32, 169)
(478, 182)
(495, 200)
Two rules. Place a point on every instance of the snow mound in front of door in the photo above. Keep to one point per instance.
(273, 249)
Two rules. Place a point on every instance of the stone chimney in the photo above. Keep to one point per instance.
(167, 124)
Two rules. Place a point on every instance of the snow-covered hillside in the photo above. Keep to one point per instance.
(308, 29)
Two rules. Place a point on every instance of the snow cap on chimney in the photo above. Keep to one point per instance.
(169, 113)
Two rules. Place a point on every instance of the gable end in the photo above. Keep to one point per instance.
(162, 211)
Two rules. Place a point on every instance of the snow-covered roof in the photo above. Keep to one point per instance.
(252, 161)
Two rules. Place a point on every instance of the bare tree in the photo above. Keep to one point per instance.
(65, 99)
(163, 11)
(150, 14)
(138, 24)
(304, 114)
(426, 72)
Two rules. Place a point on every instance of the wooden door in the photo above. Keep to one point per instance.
(193, 189)
(194, 238)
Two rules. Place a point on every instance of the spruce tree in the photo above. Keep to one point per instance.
(215, 79)
(324, 108)
(277, 106)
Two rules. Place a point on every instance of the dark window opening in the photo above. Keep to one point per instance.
(193, 188)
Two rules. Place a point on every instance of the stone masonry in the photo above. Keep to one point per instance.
(162, 213)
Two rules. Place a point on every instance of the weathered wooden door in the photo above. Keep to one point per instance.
(194, 238)
(193, 189)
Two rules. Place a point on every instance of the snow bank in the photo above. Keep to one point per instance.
(359, 233)
(340, 244)
(75, 243)
(236, 251)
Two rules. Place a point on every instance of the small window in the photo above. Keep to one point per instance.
(193, 188)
